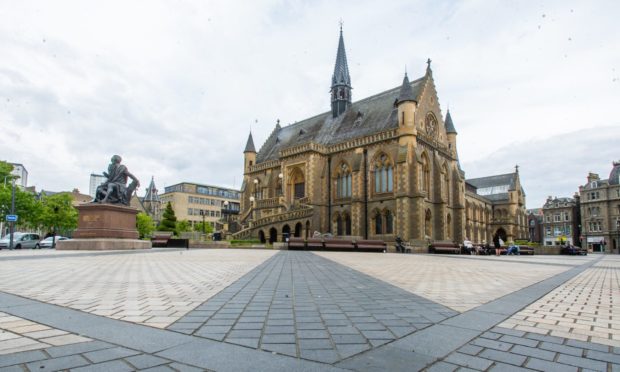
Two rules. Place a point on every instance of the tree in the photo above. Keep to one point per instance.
(5, 171)
(144, 224)
(26, 207)
(56, 213)
(208, 228)
(183, 226)
(169, 220)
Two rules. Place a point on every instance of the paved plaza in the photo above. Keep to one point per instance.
(262, 310)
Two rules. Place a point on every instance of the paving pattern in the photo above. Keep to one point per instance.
(154, 288)
(18, 334)
(305, 306)
(301, 311)
(458, 282)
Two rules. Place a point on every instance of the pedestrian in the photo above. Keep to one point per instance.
(496, 243)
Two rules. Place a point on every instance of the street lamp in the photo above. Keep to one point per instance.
(12, 229)
(618, 235)
(281, 176)
(204, 227)
(54, 227)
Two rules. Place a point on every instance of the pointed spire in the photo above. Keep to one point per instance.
(249, 146)
(406, 93)
(341, 68)
(151, 191)
(449, 124)
(341, 81)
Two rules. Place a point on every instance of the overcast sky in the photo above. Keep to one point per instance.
(174, 86)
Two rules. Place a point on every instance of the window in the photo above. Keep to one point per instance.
(383, 175)
(389, 220)
(556, 218)
(548, 218)
(343, 182)
(548, 231)
(566, 216)
(378, 224)
(426, 175)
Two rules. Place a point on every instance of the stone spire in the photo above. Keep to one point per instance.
(449, 123)
(249, 146)
(341, 81)
(406, 93)
(151, 191)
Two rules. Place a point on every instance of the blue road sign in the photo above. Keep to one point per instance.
(11, 218)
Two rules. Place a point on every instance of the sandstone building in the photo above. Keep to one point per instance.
(376, 168)
(600, 211)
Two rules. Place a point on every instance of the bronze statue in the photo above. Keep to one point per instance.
(114, 189)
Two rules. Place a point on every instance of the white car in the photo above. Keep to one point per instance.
(20, 240)
(48, 242)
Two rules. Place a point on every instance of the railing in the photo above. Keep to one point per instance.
(268, 203)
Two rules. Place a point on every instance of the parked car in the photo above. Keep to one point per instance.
(49, 241)
(20, 240)
(573, 250)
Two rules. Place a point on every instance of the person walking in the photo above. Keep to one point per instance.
(497, 245)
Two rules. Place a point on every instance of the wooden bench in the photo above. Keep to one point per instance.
(314, 244)
(296, 244)
(371, 245)
(525, 249)
(444, 248)
(160, 239)
(338, 244)
(178, 243)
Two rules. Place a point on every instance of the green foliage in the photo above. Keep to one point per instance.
(183, 226)
(144, 224)
(244, 242)
(169, 220)
(56, 213)
(26, 206)
(207, 227)
(5, 171)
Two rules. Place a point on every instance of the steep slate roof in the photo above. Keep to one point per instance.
(249, 146)
(495, 181)
(406, 93)
(370, 115)
(614, 175)
(449, 124)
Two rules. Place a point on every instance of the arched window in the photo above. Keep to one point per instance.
(428, 227)
(343, 182)
(448, 226)
(298, 183)
(446, 184)
(338, 225)
(389, 222)
(384, 175)
(347, 224)
(378, 224)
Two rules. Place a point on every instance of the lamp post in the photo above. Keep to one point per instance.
(204, 227)
(252, 208)
(618, 235)
(54, 227)
(281, 177)
(12, 230)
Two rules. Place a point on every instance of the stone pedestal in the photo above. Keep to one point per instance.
(105, 227)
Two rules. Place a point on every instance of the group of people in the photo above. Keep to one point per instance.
(485, 248)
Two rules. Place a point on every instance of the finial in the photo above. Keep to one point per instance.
(278, 121)
(341, 23)
(405, 70)
(428, 62)
(517, 168)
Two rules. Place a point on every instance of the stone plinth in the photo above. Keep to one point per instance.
(105, 227)
(106, 221)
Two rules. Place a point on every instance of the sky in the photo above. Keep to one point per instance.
(175, 87)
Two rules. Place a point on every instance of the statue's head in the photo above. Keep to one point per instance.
(116, 159)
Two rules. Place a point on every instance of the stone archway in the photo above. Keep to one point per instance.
(298, 228)
(273, 235)
(261, 236)
(286, 232)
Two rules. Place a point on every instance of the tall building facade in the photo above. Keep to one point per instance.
(20, 171)
(383, 166)
(560, 222)
(194, 202)
(600, 211)
(95, 181)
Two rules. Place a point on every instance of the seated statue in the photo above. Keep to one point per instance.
(114, 189)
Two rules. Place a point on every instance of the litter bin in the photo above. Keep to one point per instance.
(217, 236)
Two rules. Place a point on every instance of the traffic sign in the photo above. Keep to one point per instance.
(11, 218)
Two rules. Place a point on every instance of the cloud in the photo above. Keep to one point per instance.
(175, 87)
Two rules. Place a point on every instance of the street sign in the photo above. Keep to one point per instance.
(11, 218)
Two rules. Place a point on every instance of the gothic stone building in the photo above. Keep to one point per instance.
(383, 166)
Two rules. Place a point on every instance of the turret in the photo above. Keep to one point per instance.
(450, 132)
(249, 154)
(341, 81)
(407, 105)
